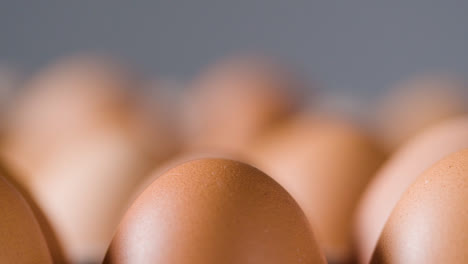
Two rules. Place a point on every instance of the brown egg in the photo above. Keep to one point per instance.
(430, 222)
(236, 100)
(21, 238)
(55, 248)
(398, 173)
(416, 104)
(325, 164)
(214, 211)
(80, 144)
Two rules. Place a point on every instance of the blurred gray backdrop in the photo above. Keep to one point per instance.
(352, 46)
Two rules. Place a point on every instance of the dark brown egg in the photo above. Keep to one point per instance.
(397, 174)
(418, 103)
(430, 222)
(21, 238)
(80, 144)
(325, 165)
(235, 101)
(212, 211)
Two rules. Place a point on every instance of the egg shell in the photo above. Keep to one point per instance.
(325, 164)
(214, 211)
(430, 222)
(21, 238)
(235, 100)
(397, 174)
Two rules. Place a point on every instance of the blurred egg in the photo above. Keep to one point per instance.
(21, 238)
(214, 211)
(430, 222)
(397, 174)
(325, 165)
(80, 143)
(235, 101)
(416, 104)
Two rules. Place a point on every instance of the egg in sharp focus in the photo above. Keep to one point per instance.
(430, 222)
(397, 174)
(325, 164)
(214, 211)
(21, 237)
(236, 100)
(79, 144)
(417, 103)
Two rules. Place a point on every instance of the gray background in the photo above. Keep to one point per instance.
(353, 46)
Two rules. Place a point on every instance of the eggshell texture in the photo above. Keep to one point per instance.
(325, 165)
(430, 222)
(21, 238)
(214, 211)
(417, 103)
(236, 100)
(397, 174)
(80, 146)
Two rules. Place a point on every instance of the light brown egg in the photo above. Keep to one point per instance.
(80, 144)
(235, 101)
(21, 238)
(397, 174)
(212, 211)
(417, 103)
(69, 99)
(325, 164)
(430, 222)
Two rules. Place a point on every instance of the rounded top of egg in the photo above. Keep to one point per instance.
(430, 222)
(21, 237)
(214, 211)
(237, 99)
(398, 173)
(417, 103)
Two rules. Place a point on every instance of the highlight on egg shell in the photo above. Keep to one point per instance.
(325, 164)
(397, 174)
(430, 222)
(214, 211)
(236, 100)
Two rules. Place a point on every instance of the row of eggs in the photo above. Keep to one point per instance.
(78, 144)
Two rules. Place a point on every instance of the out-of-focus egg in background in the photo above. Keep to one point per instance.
(430, 222)
(214, 211)
(79, 142)
(325, 163)
(21, 237)
(414, 104)
(236, 100)
(397, 174)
